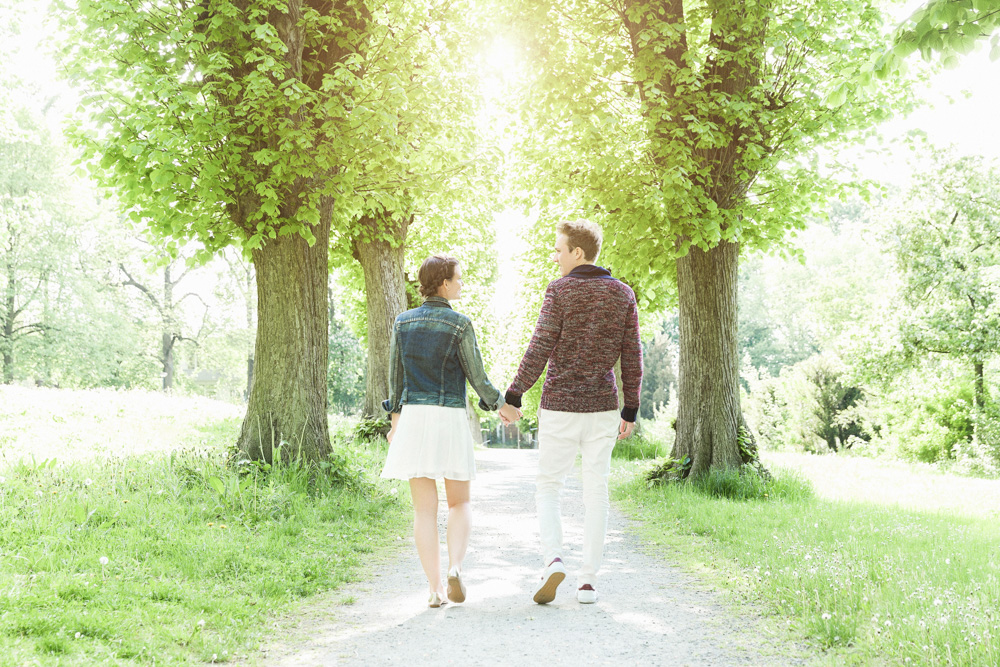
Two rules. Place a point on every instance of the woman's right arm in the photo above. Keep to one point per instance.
(490, 397)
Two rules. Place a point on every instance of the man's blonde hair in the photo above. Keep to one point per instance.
(582, 234)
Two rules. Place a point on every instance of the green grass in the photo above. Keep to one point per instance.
(638, 447)
(199, 555)
(871, 584)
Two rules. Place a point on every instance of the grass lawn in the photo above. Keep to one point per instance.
(867, 582)
(170, 556)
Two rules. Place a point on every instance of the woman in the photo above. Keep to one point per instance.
(432, 352)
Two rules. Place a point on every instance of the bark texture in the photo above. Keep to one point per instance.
(708, 412)
(385, 298)
(287, 404)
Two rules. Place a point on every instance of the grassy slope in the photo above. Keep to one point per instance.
(869, 583)
(136, 558)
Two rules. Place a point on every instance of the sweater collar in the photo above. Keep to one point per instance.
(437, 302)
(589, 271)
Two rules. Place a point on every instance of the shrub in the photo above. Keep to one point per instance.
(372, 428)
(930, 425)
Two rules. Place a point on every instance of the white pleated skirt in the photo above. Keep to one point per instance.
(431, 441)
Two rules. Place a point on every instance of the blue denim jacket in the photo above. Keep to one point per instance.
(432, 351)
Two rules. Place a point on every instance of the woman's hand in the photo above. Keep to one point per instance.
(509, 414)
(392, 430)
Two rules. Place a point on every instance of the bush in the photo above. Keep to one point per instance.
(812, 405)
(930, 424)
(372, 428)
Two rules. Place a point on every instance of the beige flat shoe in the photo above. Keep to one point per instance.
(456, 589)
(436, 601)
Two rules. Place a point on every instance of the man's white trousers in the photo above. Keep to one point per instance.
(560, 436)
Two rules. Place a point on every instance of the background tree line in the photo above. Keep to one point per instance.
(283, 167)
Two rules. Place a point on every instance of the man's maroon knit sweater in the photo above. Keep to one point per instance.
(588, 320)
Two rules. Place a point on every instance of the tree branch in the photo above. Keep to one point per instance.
(142, 288)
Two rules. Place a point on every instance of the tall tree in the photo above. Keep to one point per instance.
(945, 237)
(428, 157)
(33, 243)
(690, 130)
(167, 303)
(244, 123)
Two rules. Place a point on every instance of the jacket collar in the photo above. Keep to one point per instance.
(589, 271)
(437, 302)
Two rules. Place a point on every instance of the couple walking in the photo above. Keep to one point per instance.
(587, 322)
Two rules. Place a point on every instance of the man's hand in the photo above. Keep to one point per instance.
(509, 414)
(625, 429)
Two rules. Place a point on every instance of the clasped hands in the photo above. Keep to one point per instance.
(509, 414)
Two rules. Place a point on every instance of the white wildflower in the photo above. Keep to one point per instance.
(104, 560)
(826, 617)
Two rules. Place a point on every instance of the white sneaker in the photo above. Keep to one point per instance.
(554, 575)
(586, 594)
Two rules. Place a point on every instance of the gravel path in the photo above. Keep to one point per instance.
(648, 613)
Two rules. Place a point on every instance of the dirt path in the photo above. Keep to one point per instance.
(648, 613)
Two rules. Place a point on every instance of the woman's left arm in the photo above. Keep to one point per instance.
(490, 397)
(393, 404)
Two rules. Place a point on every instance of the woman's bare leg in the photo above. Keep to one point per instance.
(459, 521)
(425, 531)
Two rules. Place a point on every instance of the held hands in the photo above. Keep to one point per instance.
(509, 414)
(625, 429)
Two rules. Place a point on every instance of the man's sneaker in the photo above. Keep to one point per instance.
(554, 574)
(586, 594)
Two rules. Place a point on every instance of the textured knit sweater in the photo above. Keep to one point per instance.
(588, 320)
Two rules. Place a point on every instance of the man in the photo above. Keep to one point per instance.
(588, 321)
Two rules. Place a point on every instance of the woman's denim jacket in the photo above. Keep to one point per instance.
(432, 351)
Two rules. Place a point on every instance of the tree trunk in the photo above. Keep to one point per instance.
(979, 395)
(385, 298)
(8, 321)
(250, 342)
(287, 408)
(167, 359)
(708, 414)
(167, 335)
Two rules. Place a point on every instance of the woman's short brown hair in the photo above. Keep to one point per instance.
(582, 234)
(434, 271)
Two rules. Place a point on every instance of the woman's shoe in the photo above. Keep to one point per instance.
(436, 600)
(456, 589)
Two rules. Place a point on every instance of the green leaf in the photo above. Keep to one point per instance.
(80, 514)
(217, 484)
